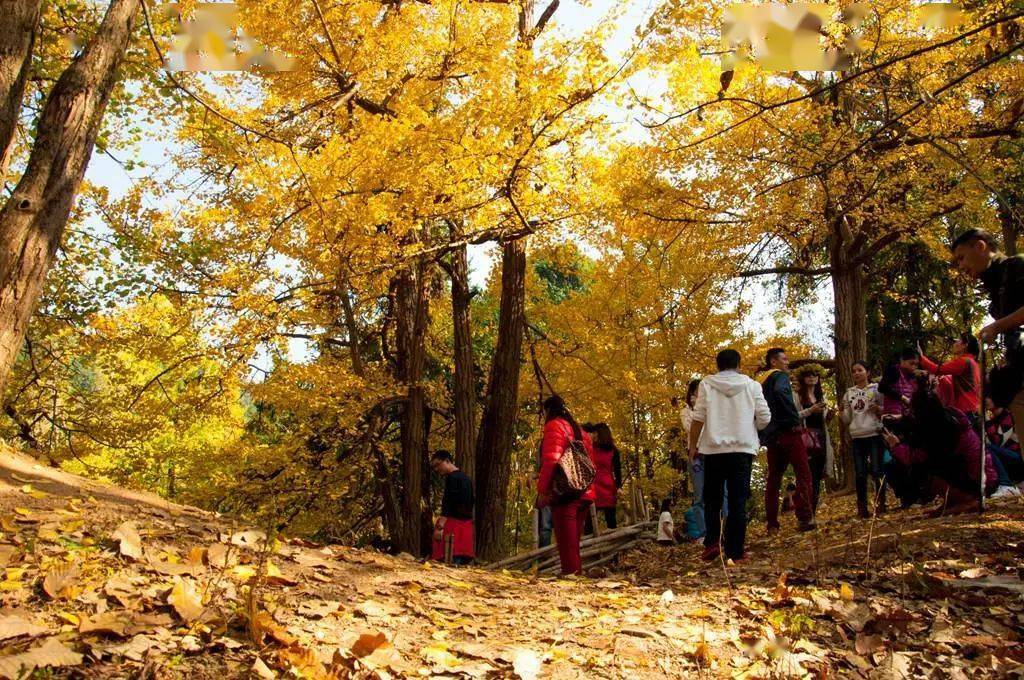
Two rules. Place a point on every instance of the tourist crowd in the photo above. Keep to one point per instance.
(926, 432)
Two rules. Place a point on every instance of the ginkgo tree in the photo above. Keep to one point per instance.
(817, 173)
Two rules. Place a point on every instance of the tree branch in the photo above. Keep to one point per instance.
(545, 17)
(795, 271)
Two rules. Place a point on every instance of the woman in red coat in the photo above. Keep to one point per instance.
(568, 514)
(608, 464)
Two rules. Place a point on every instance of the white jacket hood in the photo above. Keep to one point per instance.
(729, 383)
(732, 408)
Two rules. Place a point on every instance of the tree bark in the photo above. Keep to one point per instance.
(497, 427)
(1009, 219)
(426, 514)
(18, 32)
(33, 220)
(352, 329)
(850, 341)
(464, 382)
(412, 302)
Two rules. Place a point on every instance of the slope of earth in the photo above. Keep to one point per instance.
(100, 582)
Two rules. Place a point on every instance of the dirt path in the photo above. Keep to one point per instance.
(105, 582)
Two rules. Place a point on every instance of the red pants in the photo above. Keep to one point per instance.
(568, 520)
(787, 449)
(460, 533)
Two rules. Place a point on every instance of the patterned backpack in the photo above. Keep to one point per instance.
(574, 472)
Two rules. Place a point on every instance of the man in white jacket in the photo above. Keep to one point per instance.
(729, 411)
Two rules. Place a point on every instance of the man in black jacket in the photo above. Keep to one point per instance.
(453, 531)
(784, 440)
(976, 254)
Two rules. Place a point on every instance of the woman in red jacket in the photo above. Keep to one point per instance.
(962, 390)
(608, 477)
(568, 514)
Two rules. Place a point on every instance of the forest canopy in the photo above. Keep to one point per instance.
(447, 210)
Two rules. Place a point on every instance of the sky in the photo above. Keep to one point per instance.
(573, 17)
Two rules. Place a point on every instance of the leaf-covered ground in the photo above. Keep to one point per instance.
(100, 582)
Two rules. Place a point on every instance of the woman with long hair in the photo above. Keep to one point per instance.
(959, 378)
(815, 414)
(937, 452)
(568, 513)
(608, 477)
(861, 407)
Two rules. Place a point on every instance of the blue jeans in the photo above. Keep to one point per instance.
(696, 468)
(545, 526)
(1009, 465)
(728, 482)
(868, 458)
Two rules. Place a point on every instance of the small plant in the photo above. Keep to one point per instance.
(792, 623)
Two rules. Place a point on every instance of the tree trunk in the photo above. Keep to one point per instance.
(17, 38)
(1008, 218)
(426, 513)
(850, 338)
(497, 427)
(33, 219)
(464, 382)
(351, 328)
(412, 302)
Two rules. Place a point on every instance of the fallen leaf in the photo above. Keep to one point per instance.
(368, 643)
(176, 569)
(976, 572)
(49, 654)
(68, 617)
(869, 644)
(702, 655)
(263, 625)
(252, 539)
(185, 600)
(60, 580)
(16, 626)
(195, 555)
(190, 643)
(317, 609)
(274, 576)
(139, 646)
(130, 544)
(260, 669)
(438, 655)
(217, 555)
(372, 608)
(111, 622)
(305, 662)
(846, 592)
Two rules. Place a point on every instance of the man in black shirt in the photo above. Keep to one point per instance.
(976, 254)
(453, 532)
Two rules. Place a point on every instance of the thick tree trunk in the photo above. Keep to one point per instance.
(1009, 220)
(850, 339)
(33, 219)
(17, 38)
(426, 514)
(464, 383)
(497, 428)
(412, 302)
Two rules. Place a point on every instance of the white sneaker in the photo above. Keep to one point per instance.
(1006, 492)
